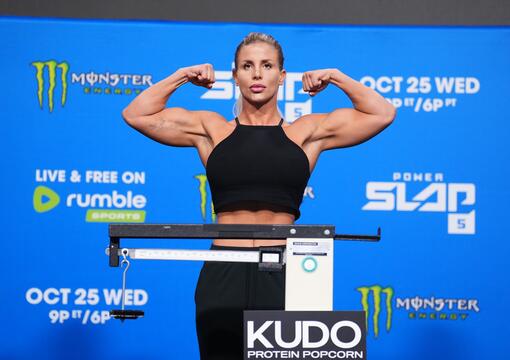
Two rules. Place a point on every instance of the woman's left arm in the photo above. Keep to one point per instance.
(345, 127)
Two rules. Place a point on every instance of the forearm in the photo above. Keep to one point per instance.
(363, 98)
(154, 99)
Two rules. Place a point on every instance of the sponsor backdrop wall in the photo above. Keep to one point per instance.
(433, 288)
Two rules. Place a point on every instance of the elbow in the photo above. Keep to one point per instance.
(128, 117)
(390, 115)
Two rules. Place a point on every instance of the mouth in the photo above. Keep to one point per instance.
(257, 88)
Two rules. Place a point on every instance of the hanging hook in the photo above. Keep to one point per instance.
(125, 314)
(125, 261)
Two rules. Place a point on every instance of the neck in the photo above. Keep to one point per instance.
(266, 114)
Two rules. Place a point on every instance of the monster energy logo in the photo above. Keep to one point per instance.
(376, 291)
(202, 187)
(52, 66)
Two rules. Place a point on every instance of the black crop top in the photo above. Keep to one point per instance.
(258, 163)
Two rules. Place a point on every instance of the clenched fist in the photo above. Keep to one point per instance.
(200, 75)
(316, 80)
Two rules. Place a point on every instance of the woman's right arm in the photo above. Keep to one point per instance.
(148, 114)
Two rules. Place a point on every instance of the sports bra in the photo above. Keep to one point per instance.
(258, 163)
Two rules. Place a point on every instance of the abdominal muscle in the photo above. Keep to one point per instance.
(253, 216)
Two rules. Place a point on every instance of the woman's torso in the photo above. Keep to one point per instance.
(253, 212)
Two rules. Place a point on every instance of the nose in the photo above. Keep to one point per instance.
(257, 73)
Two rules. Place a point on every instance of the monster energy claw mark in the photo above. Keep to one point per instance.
(202, 187)
(52, 66)
(376, 291)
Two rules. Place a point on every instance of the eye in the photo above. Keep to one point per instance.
(268, 66)
(246, 66)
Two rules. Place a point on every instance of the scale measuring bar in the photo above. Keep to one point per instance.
(193, 255)
(268, 258)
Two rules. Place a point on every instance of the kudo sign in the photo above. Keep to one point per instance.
(304, 335)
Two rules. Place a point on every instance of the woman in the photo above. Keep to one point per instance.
(257, 167)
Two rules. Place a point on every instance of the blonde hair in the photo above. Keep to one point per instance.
(254, 37)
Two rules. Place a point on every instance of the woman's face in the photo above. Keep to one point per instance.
(258, 74)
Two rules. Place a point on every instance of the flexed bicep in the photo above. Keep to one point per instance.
(173, 126)
(345, 127)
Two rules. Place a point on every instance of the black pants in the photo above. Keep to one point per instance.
(223, 291)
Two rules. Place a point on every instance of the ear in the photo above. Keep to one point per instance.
(234, 75)
(283, 74)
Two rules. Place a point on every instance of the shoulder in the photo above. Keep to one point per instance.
(306, 126)
(210, 120)
(210, 116)
(309, 119)
(214, 124)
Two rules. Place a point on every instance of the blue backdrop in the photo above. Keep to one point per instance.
(435, 181)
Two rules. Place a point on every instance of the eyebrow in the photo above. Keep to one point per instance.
(251, 62)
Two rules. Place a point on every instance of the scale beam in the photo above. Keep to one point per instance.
(222, 231)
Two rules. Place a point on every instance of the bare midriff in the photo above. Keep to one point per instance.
(253, 215)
